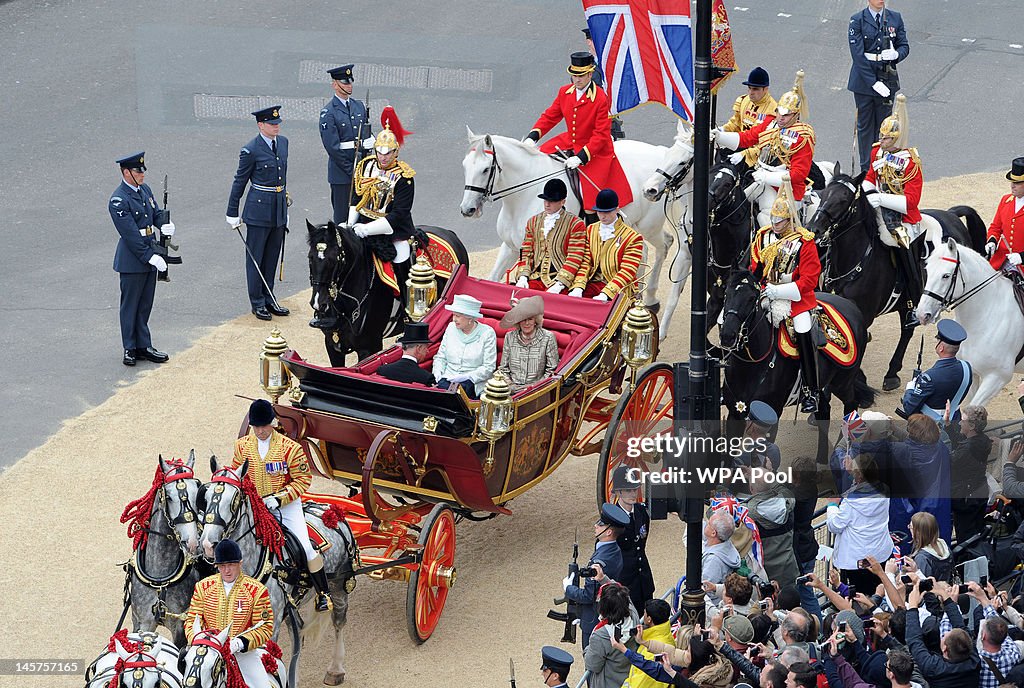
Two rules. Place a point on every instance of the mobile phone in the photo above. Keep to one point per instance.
(705, 635)
(851, 591)
(806, 578)
(961, 589)
(658, 658)
(842, 627)
(983, 582)
(906, 579)
(763, 604)
(754, 651)
(925, 584)
(863, 564)
(869, 623)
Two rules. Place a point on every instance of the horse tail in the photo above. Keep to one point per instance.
(976, 230)
(863, 393)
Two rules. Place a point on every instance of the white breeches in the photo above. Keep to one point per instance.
(294, 520)
(402, 247)
(252, 669)
(802, 322)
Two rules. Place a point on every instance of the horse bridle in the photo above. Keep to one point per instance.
(178, 472)
(834, 223)
(224, 476)
(136, 668)
(333, 286)
(206, 639)
(675, 180)
(487, 192)
(743, 336)
(946, 301)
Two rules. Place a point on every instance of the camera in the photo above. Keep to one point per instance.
(705, 635)
(961, 589)
(869, 623)
(983, 582)
(906, 579)
(764, 588)
(754, 651)
(863, 564)
(726, 610)
(763, 604)
(588, 572)
(806, 578)
(925, 584)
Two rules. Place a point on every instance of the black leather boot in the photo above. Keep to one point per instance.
(913, 281)
(809, 368)
(401, 275)
(323, 593)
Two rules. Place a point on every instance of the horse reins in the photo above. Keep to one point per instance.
(488, 193)
(947, 302)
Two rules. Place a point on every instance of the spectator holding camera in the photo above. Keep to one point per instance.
(958, 664)
(720, 557)
(618, 622)
(861, 524)
(771, 507)
(655, 627)
(971, 448)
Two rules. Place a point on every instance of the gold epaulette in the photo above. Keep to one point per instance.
(407, 171)
(803, 129)
(805, 234)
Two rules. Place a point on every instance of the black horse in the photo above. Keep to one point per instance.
(856, 264)
(355, 309)
(755, 369)
(730, 231)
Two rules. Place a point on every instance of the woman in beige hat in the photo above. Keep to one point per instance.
(469, 349)
(530, 352)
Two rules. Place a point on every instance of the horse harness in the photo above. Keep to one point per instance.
(947, 301)
(205, 639)
(221, 477)
(488, 193)
(835, 284)
(335, 282)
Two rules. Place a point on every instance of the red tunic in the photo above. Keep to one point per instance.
(905, 167)
(588, 134)
(805, 274)
(793, 146)
(1008, 225)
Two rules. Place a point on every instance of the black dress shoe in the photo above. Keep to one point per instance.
(129, 357)
(151, 354)
(262, 313)
(276, 309)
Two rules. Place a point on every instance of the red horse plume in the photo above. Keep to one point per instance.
(389, 119)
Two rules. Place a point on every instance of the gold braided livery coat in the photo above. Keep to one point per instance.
(612, 264)
(746, 114)
(557, 256)
(283, 473)
(247, 608)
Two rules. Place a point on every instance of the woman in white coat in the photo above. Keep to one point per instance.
(861, 525)
(469, 349)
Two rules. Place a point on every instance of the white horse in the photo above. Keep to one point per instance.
(205, 662)
(982, 300)
(155, 660)
(498, 167)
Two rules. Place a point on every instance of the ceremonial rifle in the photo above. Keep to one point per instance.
(164, 241)
(916, 374)
(570, 617)
(358, 150)
(511, 673)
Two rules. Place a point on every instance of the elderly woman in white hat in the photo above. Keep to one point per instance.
(530, 352)
(469, 349)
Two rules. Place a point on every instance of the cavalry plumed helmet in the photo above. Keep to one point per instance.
(783, 207)
(896, 125)
(795, 100)
(393, 135)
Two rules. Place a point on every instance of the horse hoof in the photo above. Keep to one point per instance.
(869, 336)
(891, 383)
(333, 679)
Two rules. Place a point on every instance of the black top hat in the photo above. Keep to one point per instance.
(342, 73)
(270, 115)
(762, 414)
(1016, 173)
(951, 332)
(135, 161)
(556, 659)
(581, 63)
(261, 413)
(607, 201)
(415, 333)
(227, 552)
(613, 515)
(554, 190)
(758, 78)
(622, 479)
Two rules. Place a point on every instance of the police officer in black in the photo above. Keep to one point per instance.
(138, 219)
(344, 127)
(263, 165)
(636, 570)
(948, 380)
(555, 665)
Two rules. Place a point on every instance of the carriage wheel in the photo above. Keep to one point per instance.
(644, 412)
(378, 509)
(430, 583)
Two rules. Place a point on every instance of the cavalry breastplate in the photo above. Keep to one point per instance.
(777, 146)
(892, 170)
(780, 256)
(375, 188)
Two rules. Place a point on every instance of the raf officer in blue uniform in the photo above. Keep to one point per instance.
(947, 380)
(136, 215)
(606, 559)
(878, 41)
(262, 164)
(555, 666)
(344, 128)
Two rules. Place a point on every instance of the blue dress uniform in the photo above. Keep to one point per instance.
(558, 660)
(342, 124)
(134, 214)
(948, 380)
(869, 35)
(636, 569)
(609, 556)
(266, 208)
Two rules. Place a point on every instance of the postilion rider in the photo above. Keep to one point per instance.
(553, 247)
(785, 259)
(1005, 242)
(612, 255)
(231, 599)
(280, 471)
(753, 109)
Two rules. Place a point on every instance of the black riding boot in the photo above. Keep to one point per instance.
(401, 275)
(913, 281)
(323, 593)
(809, 368)
(617, 132)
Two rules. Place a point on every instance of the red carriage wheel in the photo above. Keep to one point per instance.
(429, 585)
(378, 509)
(644, 412)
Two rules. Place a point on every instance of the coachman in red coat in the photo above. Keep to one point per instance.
(588, 136)
(1005, 243)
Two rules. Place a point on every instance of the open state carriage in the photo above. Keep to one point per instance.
(418, 459)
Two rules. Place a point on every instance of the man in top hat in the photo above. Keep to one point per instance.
(135, 213)
(231, 599)
(344, 127)
(263, 165)
(280, 471)
(607, 563)
(555, 665)
(752, 109)
(611, 258)
(636, 570)
(415, 349)
(617, 132)
(1005, 242)
(553, 246)
(947, 380)
(587, 140)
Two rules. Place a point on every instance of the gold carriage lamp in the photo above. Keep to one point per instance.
(274, 377)
(638, 336)
(494, 417)
(420, 288)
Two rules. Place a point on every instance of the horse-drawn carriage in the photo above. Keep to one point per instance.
(417, 459)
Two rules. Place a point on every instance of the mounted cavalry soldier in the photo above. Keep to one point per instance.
(893, 185)
(587, 141)
(343, 123)
(231, 599)
(1005, 244)
(611, 258)
(384, 187)
(553, 246)
(753, 109)
(278, 468)
(784, 144)
(785, 259)
(947, 381)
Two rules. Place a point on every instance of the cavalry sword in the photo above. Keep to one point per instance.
(256, 265)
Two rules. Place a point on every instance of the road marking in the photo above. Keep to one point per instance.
(968, 40)
(213, 106)
(741, 9)
(404, 76)
(1018, 46)
(784, 15)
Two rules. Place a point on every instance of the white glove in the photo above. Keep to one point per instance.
(566, 582)
(790, 292)
(768, 177)
(167, 230)
(233, 221)
(1014, 258)
(897, 202)
(874, 200)
(714, 133)
(573, 162)
(530, 142)
(377, 227)
(287, 219)
(272, 502)
(353, 216)
(736, 158)
(237, 645)
(523, 282)
(601, 297)
(890, 55)
(158, 262)
(576, 292)
(459, 378)
(867, 186)
(556, 288)
(990, 248)
(369, 141)
(881, 89)
(728, 139)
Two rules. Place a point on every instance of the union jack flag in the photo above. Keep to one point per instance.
(854, 426)
(741, 516)
(645, 50)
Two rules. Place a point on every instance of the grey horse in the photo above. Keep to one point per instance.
(155, 660)
(205, 668)
(228, 514)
